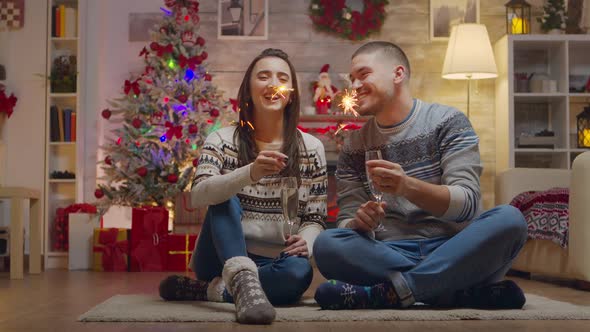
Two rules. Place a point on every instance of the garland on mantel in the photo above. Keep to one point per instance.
(335, 16)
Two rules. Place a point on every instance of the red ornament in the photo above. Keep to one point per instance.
(214, 113)
(108, 160)
(204, 55)
(164, 30)
(106, 113)
(98, 193)
(166, 100)
(136, 123)
(195, 162)
(193, 129)
(142, 171)
(172, 178)
(187, 18)
(207, 77)
(200, 41)
(182, 98)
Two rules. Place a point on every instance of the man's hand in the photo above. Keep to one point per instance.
(368, 216)
(267, 163)
(388, 177)
(296, 246)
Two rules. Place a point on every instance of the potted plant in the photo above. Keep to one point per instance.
(554, 17)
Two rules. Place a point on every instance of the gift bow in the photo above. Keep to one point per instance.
(161, 50)
(113, 251)
(191, 62)
(132, 86)
(173, 130)
(186, 251)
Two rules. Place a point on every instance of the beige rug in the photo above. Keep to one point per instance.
(148, 308)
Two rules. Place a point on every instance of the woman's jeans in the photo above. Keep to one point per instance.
(284, 279)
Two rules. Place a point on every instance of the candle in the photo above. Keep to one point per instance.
(584, 138)
(519, 25)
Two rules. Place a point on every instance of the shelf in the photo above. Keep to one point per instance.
(579, 150)
(64, 39)
(62, 143)
(332, 118)
(63, 95)
(57, 253)
(538, 97)
(540, 150)
(62, 181)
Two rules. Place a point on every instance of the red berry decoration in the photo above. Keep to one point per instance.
(200, 41)
(136, 123)
(196, 162)
(172, 178)
(182, 98)
(207, 77)
(98, 193)
(193, 129)
(108, 160)
(204, 55)
(106, 113)
(214, 113)
(142, 171)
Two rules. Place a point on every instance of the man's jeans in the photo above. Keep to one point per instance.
(284, 279)
(426, 270)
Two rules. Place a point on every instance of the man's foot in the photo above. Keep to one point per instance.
(500, 295)
(338, 295)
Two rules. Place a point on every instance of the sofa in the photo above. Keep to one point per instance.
(545, 257)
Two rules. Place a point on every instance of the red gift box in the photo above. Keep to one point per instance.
(180, 250)
(110, 249)
(149, 230)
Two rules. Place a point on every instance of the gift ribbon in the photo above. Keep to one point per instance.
(113, 251)
(186, 251)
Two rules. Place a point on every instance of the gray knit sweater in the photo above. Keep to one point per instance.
(435, 144)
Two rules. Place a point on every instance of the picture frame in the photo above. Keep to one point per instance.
(446, 13)
(140, 25)
(242, 19)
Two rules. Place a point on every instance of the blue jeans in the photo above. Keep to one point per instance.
(426, 270)
(284, 279)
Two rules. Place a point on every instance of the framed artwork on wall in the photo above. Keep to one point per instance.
(446, 13)
(242, 19)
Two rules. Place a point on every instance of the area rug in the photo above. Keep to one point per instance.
(148, 308)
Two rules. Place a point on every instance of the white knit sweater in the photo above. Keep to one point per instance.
(218, 178)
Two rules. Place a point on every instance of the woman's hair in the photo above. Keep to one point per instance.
(244, 135)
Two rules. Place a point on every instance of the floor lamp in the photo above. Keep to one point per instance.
(469, 56)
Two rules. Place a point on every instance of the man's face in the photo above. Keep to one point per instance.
(372, 75)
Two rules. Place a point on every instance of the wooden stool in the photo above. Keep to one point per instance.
(17, 196)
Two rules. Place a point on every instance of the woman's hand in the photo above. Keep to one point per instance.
(296, 246)
(267, 163)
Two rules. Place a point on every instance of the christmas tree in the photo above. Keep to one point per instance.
(165, 115)
(554, 15)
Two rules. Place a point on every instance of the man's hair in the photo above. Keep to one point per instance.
(390, 50)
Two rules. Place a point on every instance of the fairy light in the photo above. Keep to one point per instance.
(280, 90)
(349, 102)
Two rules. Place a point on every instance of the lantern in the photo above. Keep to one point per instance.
(583, 121)
(518, 17)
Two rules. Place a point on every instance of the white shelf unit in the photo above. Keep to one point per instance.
(549, 57)
(61, 155)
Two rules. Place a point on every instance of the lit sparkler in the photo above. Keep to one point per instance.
(280, 90)
(349, 102)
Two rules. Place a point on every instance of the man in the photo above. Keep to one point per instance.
(434, 245)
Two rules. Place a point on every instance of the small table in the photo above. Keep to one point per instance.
(17, 196)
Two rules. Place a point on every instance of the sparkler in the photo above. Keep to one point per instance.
(349, 102)
(280, 90)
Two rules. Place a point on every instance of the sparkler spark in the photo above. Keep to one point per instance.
(349, 102)
(280, 90)
(250, 124)
(340, 127)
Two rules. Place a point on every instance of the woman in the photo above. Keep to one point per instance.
(242, 254)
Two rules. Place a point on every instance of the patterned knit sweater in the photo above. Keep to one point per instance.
(218, 178)
(435, 144)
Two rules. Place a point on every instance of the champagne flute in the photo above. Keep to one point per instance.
(377, 194)
(289, 200)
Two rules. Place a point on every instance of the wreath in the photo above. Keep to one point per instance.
(335, 16)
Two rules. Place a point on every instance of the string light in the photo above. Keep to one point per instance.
(349, 102)
(194, 146)
(119, 141)
(189, 75)
(163, 138)
(171, 64)
(280, 90)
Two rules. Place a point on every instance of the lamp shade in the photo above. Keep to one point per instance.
(469, 54)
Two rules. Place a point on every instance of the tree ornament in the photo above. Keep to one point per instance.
(106, 113)
(98, 193)
(195, 162)
(182, 98)
(204, 55)
(142, 171)
(193, 129)
(207, 77)
(172, 178)
(214, 113)
(201, 41)
(137, 123)
(108, 160)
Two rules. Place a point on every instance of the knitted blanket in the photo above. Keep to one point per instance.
(546, 213)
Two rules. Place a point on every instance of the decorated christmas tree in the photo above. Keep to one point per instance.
(164, 116)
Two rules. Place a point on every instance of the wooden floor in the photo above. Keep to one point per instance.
(53, 301)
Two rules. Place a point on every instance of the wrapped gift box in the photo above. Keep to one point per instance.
(81, 240)
(111, 249)
(180, 250)
(149, 230)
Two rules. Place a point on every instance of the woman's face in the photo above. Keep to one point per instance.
(269, 72)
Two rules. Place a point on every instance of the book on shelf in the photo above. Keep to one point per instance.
(64, 22)
(62, 126)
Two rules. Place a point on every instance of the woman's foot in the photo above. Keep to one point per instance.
(181, 288)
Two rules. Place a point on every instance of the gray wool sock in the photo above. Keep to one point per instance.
(252, 307)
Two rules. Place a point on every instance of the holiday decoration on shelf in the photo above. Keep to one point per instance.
(554, 16)
(351, 23)
(166, 112)
(323, 91)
